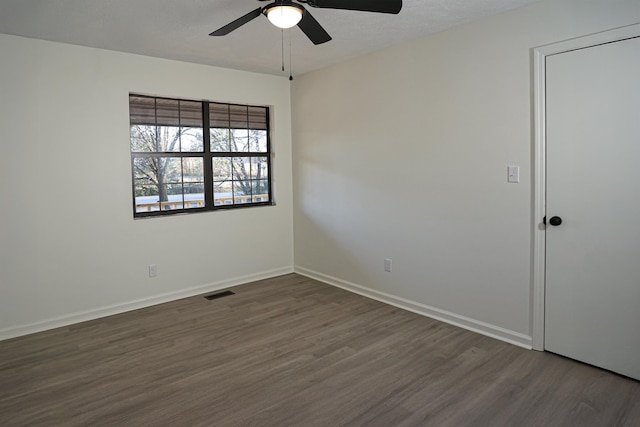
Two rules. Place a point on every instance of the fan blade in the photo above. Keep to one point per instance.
(237, 23)
(313, 29)
(381, 6)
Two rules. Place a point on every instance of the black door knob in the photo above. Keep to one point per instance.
(555, 220)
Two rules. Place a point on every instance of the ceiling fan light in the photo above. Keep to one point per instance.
(284, 16)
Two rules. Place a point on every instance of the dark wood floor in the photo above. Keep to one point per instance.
(290, 351)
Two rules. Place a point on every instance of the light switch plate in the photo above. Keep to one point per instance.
(513, 174)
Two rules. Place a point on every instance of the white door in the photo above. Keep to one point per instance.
(592, 284)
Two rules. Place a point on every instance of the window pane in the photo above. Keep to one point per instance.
(168, 138)
(219, 139)
(191, 140)
(221, 168)
(143, 138)
(171, 196)
(257, 118)
(218, 115)
(142, 110)
(147, 193)
(174, 190)
(241, 168)
(194, 190)
(192, 169)
(193, 195)
(259, 167)
(239, 140)
(146, 198)
(190, 114)
(167, 112)
(157, 171)
(144, 171)
(238, 117)
(222, 193)
(168, 170)
(241, 192)
(166, 181)
(260, 190)
(258, 141)
(193, 178)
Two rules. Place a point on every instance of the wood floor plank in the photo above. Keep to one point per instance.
(291, 351)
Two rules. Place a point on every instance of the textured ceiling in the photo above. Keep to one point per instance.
(179, 29)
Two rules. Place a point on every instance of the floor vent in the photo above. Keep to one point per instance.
(219, 295)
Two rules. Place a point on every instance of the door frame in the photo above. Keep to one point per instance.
(539, 160)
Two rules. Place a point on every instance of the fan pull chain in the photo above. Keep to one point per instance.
(282, 36)
(290, 61)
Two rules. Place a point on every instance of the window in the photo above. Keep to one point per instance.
(179, 167)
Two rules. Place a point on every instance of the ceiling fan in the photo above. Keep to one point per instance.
(287, 13)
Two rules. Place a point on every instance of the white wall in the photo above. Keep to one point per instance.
(70, 249)
(403, 154)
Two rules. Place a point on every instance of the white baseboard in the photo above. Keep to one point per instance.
(473, 325)
(84, 316)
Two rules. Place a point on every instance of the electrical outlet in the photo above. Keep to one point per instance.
(387, 264)
(153, 270)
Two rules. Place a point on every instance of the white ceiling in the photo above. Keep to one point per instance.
(179, 29)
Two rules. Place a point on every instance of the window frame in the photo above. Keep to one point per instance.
(207, 156)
